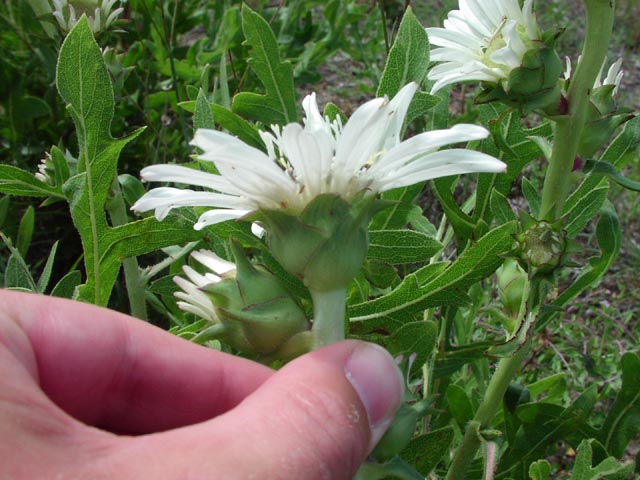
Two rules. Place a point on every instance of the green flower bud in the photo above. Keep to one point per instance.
(541, 246)
(513, 286)
(534, 85)
(258, 313)
(326, 245)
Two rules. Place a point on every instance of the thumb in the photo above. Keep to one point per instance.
(316, 418)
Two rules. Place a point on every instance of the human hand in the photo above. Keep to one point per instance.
(88, 393)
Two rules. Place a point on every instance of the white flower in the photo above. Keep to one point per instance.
(614, 75)
(483, 41)
(98, 13)
(193, 299)
(363, 156)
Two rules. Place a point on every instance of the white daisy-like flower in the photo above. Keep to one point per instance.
(613, 77)
(482, 41)
(100, 13)
(365, 156)
(192, 298)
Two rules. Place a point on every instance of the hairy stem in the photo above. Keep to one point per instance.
(328, 316)
(600, 17)
(466, 451)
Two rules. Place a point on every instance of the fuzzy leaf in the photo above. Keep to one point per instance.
(401, 246)
(409, 298)
(278, 104)
(15, 181)
(609, 468)
(408, 59)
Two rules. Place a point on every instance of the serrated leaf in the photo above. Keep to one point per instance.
(15, 181)
(278, 104)
(84, 84)
(623, 420)
(408, 59)
(477, 262)
(401, 246)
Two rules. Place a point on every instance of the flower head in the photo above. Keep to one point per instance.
(613, 77)
(302, 162)
(99, 13)
(485, 40)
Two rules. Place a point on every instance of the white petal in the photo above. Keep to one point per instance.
(188, 176)
(213, 262)
(442, 164)
(163, 199)
(217, 216)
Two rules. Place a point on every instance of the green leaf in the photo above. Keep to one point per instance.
(623, 420)
(67, 285)
(203, 117)
(460, 405)
(396, 216)
(231, 122)
(609, 468)
(533, 197)
(414, 338)
(408, 59)
(500, 208)
(4, 209)
(540, 470)
(622, 150)
(544, 425)
(584, 209)
(608, 170)
(278, 104)
(45, 276)
(425, 451)
(85, 85)
(409, 298)
(15, 181)
(25, 231)
(17, 274)
(401, 246)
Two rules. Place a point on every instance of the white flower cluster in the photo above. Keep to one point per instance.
(100, 13)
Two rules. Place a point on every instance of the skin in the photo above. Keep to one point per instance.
(87, 392)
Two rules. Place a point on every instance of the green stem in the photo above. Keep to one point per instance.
(328, 316)
(132, 276)
(600, 17)
(506, 370)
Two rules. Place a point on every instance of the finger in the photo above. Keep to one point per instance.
(317, 418)
(115, 372)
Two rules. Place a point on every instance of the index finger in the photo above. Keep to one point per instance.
(122, 374)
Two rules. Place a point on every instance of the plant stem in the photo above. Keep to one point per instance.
(132, 277)
(600, 17)
(506, 370)
(328, 316)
